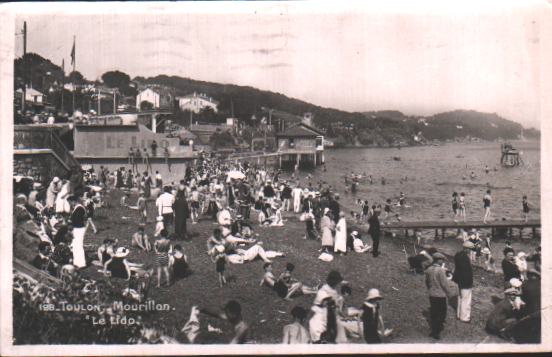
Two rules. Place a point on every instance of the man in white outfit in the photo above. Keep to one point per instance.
(297, 195)
(78, 220)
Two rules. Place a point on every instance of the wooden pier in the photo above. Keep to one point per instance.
(508, 226)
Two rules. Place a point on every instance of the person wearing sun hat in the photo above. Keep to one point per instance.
(463, 276)
(372, 320)
(439, 289)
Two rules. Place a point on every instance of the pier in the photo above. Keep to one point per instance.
(494, 226)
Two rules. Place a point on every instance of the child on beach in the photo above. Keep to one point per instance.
(140, 239)
(162, 248)
(269, 279)
(296, 333)
(220, 263)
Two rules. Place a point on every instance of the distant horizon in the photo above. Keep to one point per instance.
(419, 60)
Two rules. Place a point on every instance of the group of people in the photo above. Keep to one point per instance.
(64, 211)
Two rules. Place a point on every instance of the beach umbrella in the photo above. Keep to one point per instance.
(236, 175)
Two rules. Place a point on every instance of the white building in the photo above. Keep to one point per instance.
(195, 102)
(33, 96)
(156, 97)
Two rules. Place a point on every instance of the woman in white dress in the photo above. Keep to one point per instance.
(62, 205)
(341, 235)
(327, 226)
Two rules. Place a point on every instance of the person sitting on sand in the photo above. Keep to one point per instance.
(292, 286)
(296, 333)
(358, 244)
(269, 279)
(106, 251)
(119, 267)
(140, 239)
(241, 228)
(232, 313)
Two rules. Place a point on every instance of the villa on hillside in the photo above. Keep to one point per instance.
(157, 98)
(196, 102)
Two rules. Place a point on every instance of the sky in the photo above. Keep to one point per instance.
(420, 60)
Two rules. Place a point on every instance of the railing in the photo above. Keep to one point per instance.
(43, 138)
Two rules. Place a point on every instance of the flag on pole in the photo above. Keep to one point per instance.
(73, 52)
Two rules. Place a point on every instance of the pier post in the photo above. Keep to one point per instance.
(436, 234)
(280, 159)
(443, 233)
(534, 232)
(492, 232)
(406, 233)
(520, 232)
(510, 232)
(314, 159)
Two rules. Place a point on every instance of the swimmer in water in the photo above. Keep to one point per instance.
(462, 206)
(486, 169)
(383, 180)
(472, 175)
(402, 200)
(370, 179)
(387, 209)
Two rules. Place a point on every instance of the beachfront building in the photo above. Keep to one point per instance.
(196, 102)
(32, 96)
(108, 145)
(299, 144)
(154, 98)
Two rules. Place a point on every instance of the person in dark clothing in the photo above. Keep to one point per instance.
(375, 232)
(509, 268)
(120, 181)
(268, 191)
(181, 214)
(42, 260)
(463, 276)
(372, 320)
(240, 228)
(154, 148)
(504, 316)
(528, 329)
(334, 206)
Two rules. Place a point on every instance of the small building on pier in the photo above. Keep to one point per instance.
(300, 144)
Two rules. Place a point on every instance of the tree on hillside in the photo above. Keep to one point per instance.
(76, 77)
(116, 79)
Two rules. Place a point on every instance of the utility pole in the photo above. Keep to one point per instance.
(99, 105)
(114, 105)
(24, 66)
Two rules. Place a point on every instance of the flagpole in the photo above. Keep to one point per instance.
(74, 54)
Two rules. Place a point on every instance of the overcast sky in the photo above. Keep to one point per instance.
(419, 60)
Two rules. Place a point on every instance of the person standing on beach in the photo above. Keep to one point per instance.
(462, 206)
(463, 276)
(340, 246)
(438, 288)
(525, 205)
(487, 200)
(455, 206)
(374, 232)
